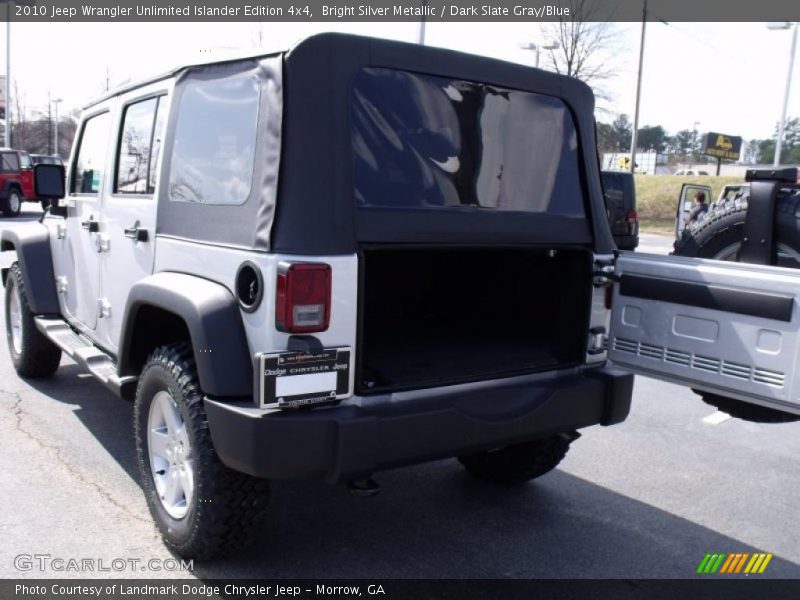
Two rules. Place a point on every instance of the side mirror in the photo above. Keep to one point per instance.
(48, 181)
(49, 184)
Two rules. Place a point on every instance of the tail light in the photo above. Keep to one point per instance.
(303, 299)
(633, 221)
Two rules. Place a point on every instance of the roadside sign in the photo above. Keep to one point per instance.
(721, 145)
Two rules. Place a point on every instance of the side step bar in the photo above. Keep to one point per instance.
(97, 362)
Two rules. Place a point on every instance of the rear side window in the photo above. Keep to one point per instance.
(25, 161)
(139, 147)
(215, 140)
(10, 161)
(90, 160)
(422, 141)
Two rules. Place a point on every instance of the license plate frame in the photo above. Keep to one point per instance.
(303, 379)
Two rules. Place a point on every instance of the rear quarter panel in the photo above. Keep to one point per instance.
(220, 264)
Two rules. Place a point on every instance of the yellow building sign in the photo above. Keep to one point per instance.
(720, 145)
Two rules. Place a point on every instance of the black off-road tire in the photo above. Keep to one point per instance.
(228, 508)
(37, 357)
(12, 205)
(519, 463)
(721, 229)
(724, 227)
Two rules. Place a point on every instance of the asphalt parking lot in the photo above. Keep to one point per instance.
(647, 498)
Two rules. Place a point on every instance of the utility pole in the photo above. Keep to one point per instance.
(694, 144)
(8, 4)
(635, 137)
(8, 75)
(55, 142)
(49, 124)
(782, 123)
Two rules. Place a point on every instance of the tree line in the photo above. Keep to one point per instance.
(37, 135)
(687, 144)
(35, 130)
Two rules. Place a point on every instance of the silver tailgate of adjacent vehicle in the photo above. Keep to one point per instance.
(723, 327)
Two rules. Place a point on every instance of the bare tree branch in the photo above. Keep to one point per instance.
(586, 48)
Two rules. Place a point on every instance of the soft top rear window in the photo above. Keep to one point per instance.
(422, 141)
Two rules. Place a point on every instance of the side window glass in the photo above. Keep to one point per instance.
(135, 166)
(25, 161)
(10, 162)
(91, 158)
(215, 140)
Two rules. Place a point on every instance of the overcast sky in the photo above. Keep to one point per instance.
(728, 76)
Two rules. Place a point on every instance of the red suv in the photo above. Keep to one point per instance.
(16, 180)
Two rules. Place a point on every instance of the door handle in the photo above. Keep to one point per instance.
(91, 226)
(137, 233)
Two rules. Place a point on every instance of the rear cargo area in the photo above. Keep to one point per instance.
(439, 316)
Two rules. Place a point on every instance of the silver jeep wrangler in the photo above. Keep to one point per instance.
(360, 254)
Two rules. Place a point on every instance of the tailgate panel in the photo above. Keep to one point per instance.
(727, 328)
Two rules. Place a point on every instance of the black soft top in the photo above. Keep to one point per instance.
(316, 210)
(304, 200)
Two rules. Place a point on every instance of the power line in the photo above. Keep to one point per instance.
(703, 41)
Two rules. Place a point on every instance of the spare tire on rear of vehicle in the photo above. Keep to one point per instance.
(719, 233)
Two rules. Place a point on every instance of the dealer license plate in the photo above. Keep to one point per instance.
(297, 379)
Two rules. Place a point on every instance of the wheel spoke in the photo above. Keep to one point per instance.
(182, 437)
(170, 414)
(187, 480)
(173, 490)
(158, 444)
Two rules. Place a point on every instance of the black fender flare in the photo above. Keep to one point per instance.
(214, 321)
(32, 243)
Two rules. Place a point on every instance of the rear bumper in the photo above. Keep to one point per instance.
(355, 439)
